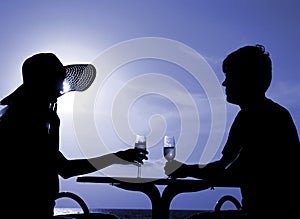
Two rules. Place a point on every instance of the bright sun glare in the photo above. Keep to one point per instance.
(65, 102)
(66, 87)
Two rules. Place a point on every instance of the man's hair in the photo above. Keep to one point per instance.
(252, 61)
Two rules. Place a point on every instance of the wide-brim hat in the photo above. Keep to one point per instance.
(40, 67)
(79, 77)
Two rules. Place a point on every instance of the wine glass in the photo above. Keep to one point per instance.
(140, 143)
(169, 148)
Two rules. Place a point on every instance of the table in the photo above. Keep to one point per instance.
(160, 202)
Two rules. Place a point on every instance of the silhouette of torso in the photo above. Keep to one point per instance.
(266, 143)
(31, 167)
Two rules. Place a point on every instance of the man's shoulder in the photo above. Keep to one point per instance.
(276, 107)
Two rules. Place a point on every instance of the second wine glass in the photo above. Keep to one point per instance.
(169, 148)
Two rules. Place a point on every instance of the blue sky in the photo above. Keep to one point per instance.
(159, 72)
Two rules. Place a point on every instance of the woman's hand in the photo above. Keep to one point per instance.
(132, 156)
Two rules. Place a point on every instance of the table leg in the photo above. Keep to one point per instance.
(150, 190)
(174, 189)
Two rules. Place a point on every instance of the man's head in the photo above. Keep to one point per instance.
(248, 72)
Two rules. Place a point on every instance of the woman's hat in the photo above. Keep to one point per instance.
(44, 68)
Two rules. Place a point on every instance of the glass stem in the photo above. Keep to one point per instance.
(139, 174)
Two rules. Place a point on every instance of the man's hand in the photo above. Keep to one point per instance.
(176, 169)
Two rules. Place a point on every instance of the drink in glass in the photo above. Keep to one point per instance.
(169, 148)
(140, 143)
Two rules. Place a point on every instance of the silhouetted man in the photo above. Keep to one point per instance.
(261, 151)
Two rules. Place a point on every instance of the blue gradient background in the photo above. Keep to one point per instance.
(79, 31)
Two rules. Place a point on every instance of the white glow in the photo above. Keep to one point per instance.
(66, 87)
(65, 102)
